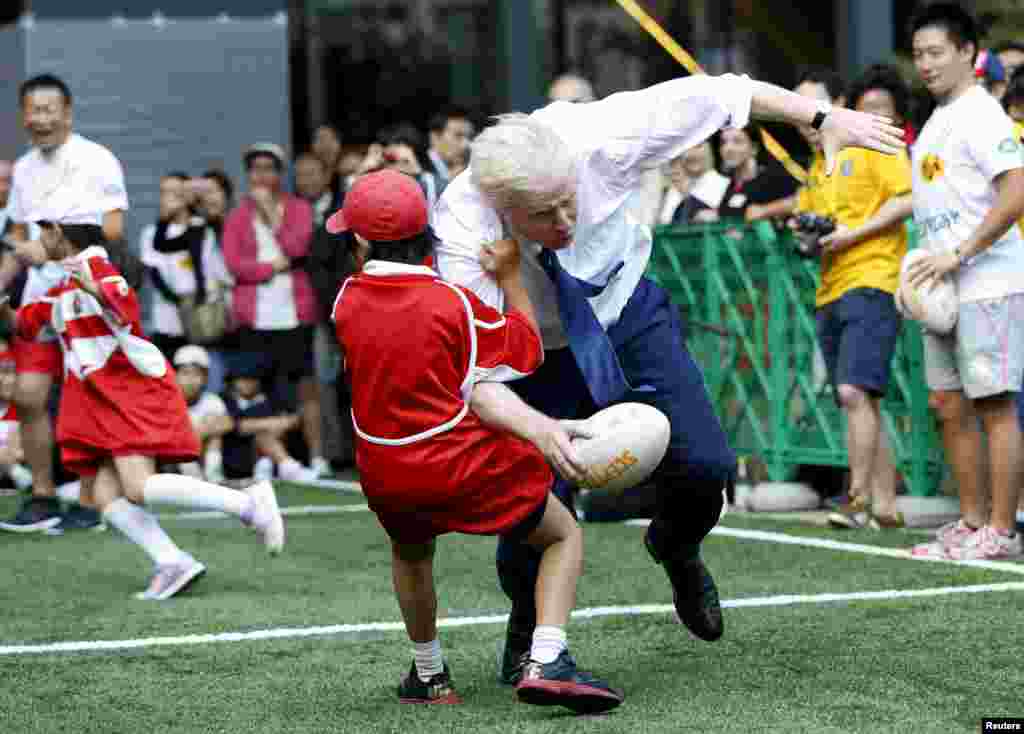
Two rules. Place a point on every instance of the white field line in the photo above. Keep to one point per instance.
(295, 510)
(835, 545)
(591, 613)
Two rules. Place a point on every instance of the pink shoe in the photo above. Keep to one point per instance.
(172, 578)
(988, 544)
(265, 516)
(950, 535)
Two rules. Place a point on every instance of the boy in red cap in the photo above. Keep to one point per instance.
(414, 346)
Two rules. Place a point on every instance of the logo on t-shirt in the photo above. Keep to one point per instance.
(931, 167)
(1009, 145)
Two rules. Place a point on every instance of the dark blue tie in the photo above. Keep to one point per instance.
(590, 345)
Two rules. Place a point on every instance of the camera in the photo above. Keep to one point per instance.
(810, 228)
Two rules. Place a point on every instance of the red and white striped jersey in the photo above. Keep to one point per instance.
(92, 335)
(120, 397)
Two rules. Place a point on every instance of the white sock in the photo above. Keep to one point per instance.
(548, 643)
(182, 491)
(1020, 516)
(429, 661)
(142, 528)
(213, 464)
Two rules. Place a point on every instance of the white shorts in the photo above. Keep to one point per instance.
(984, 354)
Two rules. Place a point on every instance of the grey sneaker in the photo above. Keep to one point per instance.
(172, 578)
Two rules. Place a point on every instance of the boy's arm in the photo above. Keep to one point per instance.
(498, 407)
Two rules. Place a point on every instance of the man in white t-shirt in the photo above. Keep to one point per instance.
(66, 178)
(968, 193)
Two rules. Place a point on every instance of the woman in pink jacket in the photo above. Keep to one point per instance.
(266, 242)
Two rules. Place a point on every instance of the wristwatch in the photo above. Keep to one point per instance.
(824, 108)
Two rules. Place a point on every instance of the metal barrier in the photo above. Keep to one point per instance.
(748, 300)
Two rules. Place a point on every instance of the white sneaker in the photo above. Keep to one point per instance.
(265, 517)
(320, 466)
(988, 544)
(172, 578)
(949, 536)
(293, 471)
(263, 471)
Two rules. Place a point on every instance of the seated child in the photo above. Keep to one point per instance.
(209, 415)
(414, 346)
(256, 442)
(121, 411)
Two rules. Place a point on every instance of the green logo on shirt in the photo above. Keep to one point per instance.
(1009, 145)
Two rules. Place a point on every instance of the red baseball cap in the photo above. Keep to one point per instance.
(384, 206)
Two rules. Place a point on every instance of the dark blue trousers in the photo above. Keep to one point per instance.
(649, 341)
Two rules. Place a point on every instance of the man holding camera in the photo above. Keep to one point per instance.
(865, 200)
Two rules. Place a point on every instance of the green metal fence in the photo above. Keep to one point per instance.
(749, 301)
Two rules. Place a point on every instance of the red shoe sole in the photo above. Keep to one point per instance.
(579, 698)
(451, 698)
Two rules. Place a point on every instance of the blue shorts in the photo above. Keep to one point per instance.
(857, 333)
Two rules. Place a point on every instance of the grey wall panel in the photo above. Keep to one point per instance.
(12, 72)
(189, 94)
(64, 9)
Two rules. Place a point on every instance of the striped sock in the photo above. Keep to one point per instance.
(429, 661)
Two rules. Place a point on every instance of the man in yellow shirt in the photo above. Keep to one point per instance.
(868, 197)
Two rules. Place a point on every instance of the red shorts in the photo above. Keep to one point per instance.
(41, 357)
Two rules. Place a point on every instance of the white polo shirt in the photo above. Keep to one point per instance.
(963, 147)
(614, 142)
(77, 183)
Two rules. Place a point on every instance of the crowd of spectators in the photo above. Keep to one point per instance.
(242, 276)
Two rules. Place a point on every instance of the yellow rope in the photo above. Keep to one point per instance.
(677, 52)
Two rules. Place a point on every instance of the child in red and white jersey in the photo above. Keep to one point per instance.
(121, 411)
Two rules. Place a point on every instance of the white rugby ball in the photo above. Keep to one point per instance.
(934, 305)
(629, 441)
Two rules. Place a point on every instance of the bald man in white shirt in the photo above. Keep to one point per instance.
(67, 178)
(559, 181)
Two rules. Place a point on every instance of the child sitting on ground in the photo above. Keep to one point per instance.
(256, 442)
(209, 415)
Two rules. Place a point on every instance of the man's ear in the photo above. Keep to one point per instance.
(839, 101)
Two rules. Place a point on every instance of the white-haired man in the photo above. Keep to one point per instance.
(558, 181)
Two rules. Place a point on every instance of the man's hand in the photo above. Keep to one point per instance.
(555, 442)
(932, 269)
(500, 259)
(845, 128)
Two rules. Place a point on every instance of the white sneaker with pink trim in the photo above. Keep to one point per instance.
(988, 544)
(950, 535)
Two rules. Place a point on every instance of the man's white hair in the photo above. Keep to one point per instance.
(521, 163)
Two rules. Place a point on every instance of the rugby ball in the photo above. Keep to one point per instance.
(934, 305)
(627, 443)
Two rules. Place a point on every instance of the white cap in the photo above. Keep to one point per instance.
(272, 149)
(193, 355)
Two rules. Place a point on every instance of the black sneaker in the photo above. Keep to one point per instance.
(560, 684)
(693, 592)
(78, 518)
(438, 689)
(36, 515)
(516, 652)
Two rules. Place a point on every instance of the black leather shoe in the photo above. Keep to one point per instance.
(693, 592)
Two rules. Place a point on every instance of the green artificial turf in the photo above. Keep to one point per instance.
(934, 664)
